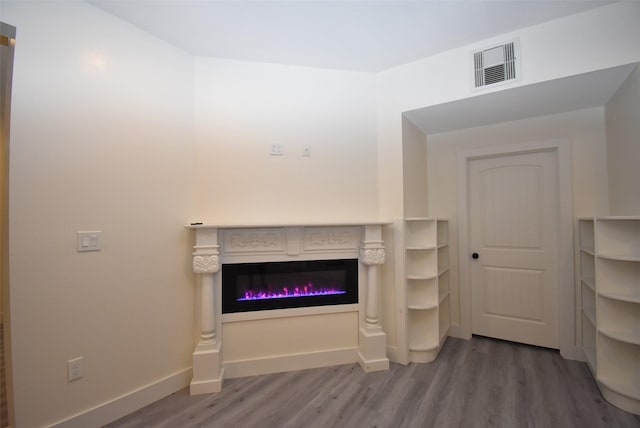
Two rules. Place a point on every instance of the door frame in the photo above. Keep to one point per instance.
(566, 286)
(8, 32)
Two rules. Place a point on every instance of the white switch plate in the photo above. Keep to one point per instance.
(277, 150)
(306, 150)
(75, 369)
(90, 240)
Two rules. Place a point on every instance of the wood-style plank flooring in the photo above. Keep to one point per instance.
(477, 383)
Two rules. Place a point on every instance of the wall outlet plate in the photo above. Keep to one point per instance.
(75, 369)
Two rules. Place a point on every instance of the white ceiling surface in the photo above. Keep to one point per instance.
(582, 91)
(359, 35)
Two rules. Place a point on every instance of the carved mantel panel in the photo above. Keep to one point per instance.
(290, 240)
(323, 238)
(253, 240)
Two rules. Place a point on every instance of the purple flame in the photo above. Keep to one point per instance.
(286, 292)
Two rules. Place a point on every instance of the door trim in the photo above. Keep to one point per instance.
(566, 285)
(7, 40)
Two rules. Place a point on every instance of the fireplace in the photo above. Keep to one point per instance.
(292, 284)
(244, 270)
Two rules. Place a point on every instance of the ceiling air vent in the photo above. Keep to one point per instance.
(495, 65)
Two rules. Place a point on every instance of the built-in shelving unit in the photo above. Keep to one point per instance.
(588, 290)
(610, 286)
(426, 263)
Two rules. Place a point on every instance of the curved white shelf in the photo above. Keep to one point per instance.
(628, 389)
(625, 336)
(422, 307)
(420, 247)
(423, 348)
(620, 297)
(620, 395)
(622, 257)
(419, 277)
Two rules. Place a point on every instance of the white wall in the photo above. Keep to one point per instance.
(242, 108)
(414, 167)
(623, 147)
(599, 38)
(585, 129)
(101, 139)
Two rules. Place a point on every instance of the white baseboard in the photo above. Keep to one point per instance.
(128, 403)
(573, 353)
(394, 355)
(373, 365)
(287, 363)
(456, 330)
(208, 386)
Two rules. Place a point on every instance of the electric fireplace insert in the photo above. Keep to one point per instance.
(281, 285)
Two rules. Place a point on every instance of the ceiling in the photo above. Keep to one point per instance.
(359, 35)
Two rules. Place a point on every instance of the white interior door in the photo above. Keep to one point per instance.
(513, 221)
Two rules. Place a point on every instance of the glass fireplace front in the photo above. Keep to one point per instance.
(280, 285)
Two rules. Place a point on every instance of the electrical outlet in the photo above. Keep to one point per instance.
(75, 369)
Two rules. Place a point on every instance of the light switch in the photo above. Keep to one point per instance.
(90, 240)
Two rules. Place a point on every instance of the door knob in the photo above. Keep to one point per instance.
(475, 255)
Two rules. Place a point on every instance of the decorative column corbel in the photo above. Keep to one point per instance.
(207, 266)
(207, 357)
(372, 345)
(372, 257)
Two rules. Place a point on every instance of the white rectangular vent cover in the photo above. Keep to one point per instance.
(496, 65)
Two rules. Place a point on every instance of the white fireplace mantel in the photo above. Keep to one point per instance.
(359, 334)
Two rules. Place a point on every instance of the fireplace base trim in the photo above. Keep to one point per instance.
(286, 363)
(205, 386)
(372, 354)
(287, 313)
(208, 371)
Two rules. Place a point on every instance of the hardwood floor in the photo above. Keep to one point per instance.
(477, 383)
